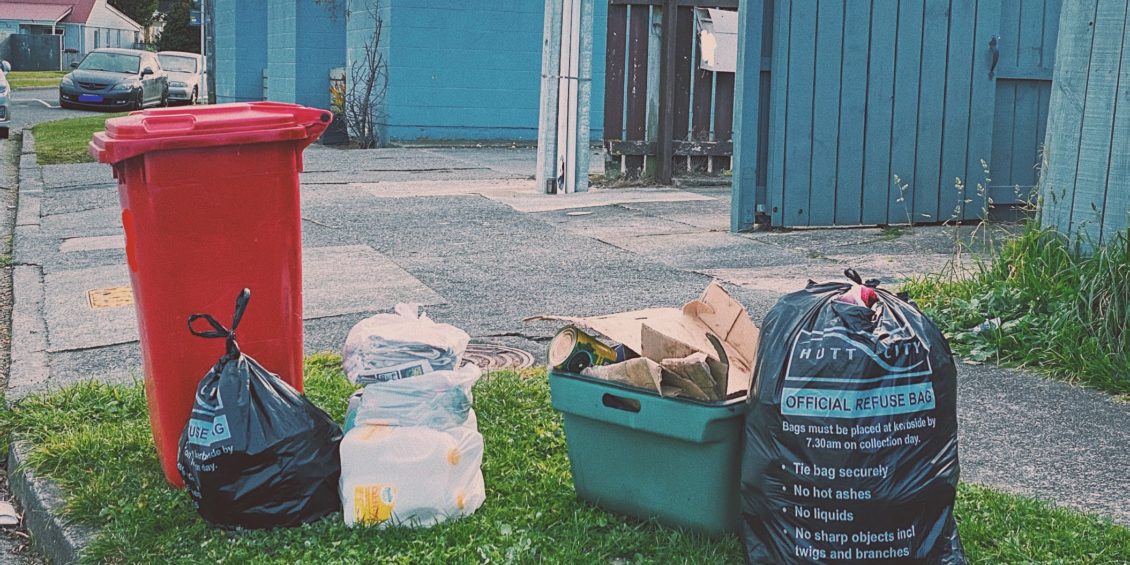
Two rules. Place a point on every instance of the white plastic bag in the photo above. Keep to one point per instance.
(437, 400)
(406, 343)
(414, 453)
(410, 476)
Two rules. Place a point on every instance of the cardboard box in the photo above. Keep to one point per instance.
(712, 336)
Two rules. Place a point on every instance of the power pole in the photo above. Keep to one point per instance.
(566, 93)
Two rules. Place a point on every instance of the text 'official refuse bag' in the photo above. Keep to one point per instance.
(851, 439)
(256, 453)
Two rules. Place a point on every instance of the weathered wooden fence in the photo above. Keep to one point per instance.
(1086, 185)
(928, 91)
(662, 113)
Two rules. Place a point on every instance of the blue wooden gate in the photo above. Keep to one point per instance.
(1028, 36)
(877, 109)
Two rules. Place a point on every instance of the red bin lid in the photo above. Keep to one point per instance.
(164, 129)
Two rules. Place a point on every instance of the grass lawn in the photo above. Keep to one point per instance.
(1049, 306)
(94, 441)
(65, 141)
(35, 79)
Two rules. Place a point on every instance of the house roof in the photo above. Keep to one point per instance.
(36, 11)
(79, 15)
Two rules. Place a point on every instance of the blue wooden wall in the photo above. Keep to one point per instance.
(457, 70)
(1086, 185)
(862, 92)
(751, 114)
(241, 53)
(464, 72)
(471, 71)
(304, 41)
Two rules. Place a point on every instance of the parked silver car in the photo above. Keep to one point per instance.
(186, 75)
(5, 99)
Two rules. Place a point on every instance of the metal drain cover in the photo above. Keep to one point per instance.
(489, 356)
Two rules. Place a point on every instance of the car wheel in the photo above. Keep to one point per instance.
(3, 133)
(65, 105)
(165, 98)
(139, 103)
(193, 100)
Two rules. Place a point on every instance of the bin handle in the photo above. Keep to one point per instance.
(175, 123)
(621, 403)
(218, 330)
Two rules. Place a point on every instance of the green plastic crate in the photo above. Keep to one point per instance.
(635, 453)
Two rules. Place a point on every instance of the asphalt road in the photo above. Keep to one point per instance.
(31, 106)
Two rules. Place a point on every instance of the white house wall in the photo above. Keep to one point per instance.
(103, 16)
(113, 29)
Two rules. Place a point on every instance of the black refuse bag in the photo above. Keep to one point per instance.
(256, 453)
(850, 448)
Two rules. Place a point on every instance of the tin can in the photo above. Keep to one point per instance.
(572, 350)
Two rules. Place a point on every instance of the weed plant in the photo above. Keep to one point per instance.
(1041, 300)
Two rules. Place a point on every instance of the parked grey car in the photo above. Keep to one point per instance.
(186, 82)
(117, 79)
(5, 99)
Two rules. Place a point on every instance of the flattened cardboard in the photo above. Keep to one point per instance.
(677, 330)
(693, 370)
(639, 372)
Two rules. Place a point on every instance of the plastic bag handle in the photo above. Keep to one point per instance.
(240, 305)
(218, 330)
(854, 277)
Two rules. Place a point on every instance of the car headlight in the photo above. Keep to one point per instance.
(123, 87)
(66, 81)
(177, 83)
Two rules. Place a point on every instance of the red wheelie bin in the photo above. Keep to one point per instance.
(210, 205)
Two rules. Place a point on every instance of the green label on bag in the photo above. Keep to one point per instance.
(204, 432)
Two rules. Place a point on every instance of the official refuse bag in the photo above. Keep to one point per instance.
(850, 448)
(256, 453)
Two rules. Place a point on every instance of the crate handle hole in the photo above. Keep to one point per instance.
(620, 403)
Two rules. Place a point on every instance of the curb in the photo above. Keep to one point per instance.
(41, 500)
(28, 370)
(43, 504)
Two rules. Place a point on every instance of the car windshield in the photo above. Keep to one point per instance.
(113, 62)
(177, 64)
